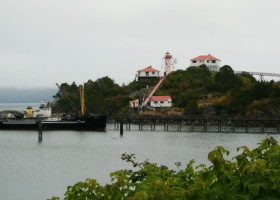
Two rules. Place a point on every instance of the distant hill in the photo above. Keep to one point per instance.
(15, 95)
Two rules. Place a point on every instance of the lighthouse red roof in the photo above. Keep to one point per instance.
(160, 98)
(167, 55)
(205, 57)
(148, 69)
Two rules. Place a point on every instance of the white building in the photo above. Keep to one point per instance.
(210, 61)
(160, 101)
(147, 73)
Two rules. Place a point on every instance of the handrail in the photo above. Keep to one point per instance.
(153, 91)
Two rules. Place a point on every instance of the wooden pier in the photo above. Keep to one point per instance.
(195, 124)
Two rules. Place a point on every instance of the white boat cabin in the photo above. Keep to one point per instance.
(44, 110)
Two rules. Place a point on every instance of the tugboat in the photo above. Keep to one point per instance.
(89, 122)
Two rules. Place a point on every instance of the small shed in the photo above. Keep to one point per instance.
(160, 101)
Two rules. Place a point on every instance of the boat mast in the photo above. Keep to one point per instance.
(82, 98)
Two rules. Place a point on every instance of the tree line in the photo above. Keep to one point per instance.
(195, 90)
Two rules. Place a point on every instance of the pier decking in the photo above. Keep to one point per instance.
(196, 124)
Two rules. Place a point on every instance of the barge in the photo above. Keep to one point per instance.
(43, 119)
(86, 123)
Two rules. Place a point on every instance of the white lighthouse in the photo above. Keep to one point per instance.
(168, 63)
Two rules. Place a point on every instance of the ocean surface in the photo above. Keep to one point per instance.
(33, 170)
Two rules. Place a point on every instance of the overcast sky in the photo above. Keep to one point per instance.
(43, 42)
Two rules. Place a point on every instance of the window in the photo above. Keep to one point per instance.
(161, 102)
(194, 61)
(155, 101)
(207, 61)
(147, 73)
(213, 61)
(153, 73)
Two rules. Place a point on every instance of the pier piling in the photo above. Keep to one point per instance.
(121, 127)
(194, 124)
(40, 130)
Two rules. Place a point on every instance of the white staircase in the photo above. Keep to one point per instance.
(153, 91)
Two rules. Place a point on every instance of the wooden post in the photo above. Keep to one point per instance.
(121, 127)
(140, 125)
(205, 125)
(219, 125)
(232, 126)
(192, 126)
(247, 126)
(180, 125)
(128, 124)
(116, 127)
(40, 130)
(262, 127)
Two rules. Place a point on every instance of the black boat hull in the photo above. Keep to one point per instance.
(89, 123)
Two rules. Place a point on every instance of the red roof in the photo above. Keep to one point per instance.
(160, 98)
(167, 55)
(148, 69)
(205, 57)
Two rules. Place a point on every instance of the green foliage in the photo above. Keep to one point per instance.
(187, 88)
(102, 95)
(226, 79)
(253, 174)
(262, 90)
(191, 108)
(97, 96)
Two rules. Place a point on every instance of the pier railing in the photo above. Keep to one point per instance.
(197, 124)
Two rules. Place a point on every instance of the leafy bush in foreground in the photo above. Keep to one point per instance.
(253, 174)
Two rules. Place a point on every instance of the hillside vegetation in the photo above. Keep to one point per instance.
(194, 91)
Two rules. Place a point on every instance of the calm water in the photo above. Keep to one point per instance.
(32, 170)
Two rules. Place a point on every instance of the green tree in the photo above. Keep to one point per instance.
(263, 89)
(67, 98)
(226, 79)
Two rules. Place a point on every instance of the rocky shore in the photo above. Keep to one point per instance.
(11, 114)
